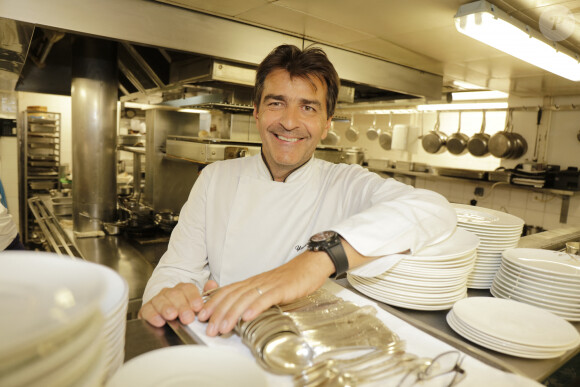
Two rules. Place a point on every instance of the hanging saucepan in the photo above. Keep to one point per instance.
(332, 138)
(457, 142)
(373, 132)
(386, 136)
(520, 146)
(478, 143)
(501, 144)
(352, 132)
(434, 141)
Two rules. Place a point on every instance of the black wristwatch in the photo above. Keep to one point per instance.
(329, 241)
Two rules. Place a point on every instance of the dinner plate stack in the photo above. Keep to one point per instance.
(114, 306)
(512, 327)
(190, 365)
(51, 330)
(544, 278)
(431, 279)
(497, 231)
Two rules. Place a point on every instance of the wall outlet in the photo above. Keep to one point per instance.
(478, 191)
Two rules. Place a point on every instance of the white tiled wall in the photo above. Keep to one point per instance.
(535, 208)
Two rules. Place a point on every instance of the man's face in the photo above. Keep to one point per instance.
(291, 118)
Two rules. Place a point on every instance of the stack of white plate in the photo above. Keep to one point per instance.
(51, 330)
(432, 279)
(114, 308)
(545, 278)
(497, 231)
(190, 365)
(512, 327)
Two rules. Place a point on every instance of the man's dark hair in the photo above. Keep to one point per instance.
(300, 63)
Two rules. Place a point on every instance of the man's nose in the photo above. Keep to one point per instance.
(290, 118)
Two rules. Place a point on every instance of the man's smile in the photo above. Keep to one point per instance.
(287, 139)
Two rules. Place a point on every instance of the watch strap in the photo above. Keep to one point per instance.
(339, 259)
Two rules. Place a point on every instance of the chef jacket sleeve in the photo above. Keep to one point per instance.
(395, 217)
(186, 256)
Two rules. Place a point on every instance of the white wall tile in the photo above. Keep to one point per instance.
(518, 198)
(533, 217)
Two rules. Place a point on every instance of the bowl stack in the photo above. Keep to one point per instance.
(51, 331)
(497, 231)
(544, 278)
(431, 279)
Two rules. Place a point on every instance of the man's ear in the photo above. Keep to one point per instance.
(255, 112)
(326, 128)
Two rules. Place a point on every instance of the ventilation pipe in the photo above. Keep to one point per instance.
(94, 121)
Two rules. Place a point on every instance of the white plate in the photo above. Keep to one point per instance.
(565, 315)
(549, 283)
(459, 243)
(521, 323)
(568, 299)
(494, 345)
(486, 217)
(42, 296)
(55, 359)
(541, 276)
(545, 261)
(189, 365)
(530, 299)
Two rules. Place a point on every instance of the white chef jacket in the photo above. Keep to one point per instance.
(239, 222)
(8, 229)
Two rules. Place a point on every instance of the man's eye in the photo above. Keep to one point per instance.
(309, 108)
(275, 104)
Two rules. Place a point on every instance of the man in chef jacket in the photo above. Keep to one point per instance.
(271, 228)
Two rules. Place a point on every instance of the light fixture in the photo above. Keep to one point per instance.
(478, 95)
(463, 106)
(487, 23)
(392, 111)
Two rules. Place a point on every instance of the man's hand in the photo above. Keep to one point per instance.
(182, 300)
(246, 299)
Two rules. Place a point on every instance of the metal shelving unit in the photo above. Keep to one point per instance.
(39, 156)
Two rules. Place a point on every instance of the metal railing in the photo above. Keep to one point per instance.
(55, 237)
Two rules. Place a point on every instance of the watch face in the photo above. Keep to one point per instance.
(322, 236)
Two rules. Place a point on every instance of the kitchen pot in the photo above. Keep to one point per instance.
(166, 220)
(457, 142)
(520, 146)
(332, 138)
(434, 141)
(352, 133)
(501, 144)
(352, 155)
(508, 144)
(478, 144)
(373, 132)
(386, 137)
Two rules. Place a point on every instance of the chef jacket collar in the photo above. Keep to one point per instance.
(294, 175)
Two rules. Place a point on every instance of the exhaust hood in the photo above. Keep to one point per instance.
(14, 43)
(154, 75)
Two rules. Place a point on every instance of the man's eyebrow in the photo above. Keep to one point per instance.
(315, 102)
(278, 97)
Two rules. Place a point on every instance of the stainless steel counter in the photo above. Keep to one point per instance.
(141, 338)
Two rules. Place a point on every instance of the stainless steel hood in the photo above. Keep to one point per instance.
(14, 43)
(157, 75)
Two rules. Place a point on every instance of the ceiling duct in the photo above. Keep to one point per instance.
(15, 40)
(154, 75)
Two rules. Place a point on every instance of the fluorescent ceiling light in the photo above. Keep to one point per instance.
(463, 106)
(487, 23)
(467, 85)
(392, 111)
(478, 95)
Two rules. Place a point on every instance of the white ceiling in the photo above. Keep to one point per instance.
(416, 33)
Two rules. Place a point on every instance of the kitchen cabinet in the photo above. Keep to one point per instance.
(39, 146)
